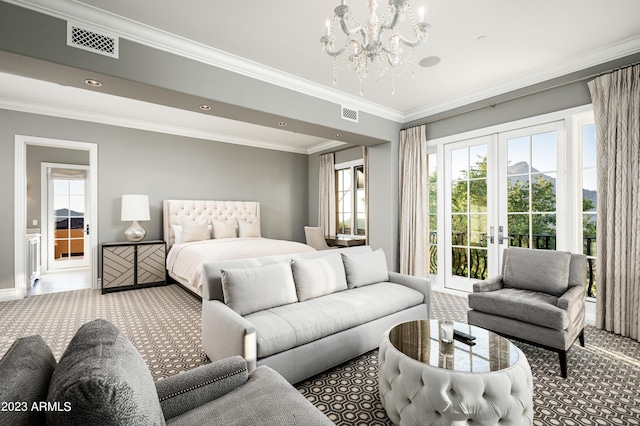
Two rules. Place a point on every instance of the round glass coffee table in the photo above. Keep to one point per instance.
(425, 379)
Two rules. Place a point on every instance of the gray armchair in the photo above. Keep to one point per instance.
(538, 299)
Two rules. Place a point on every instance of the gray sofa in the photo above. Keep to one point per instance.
(101, 379)
(304, 313)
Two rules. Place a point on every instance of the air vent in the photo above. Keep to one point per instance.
(84, 38)
(349, 114)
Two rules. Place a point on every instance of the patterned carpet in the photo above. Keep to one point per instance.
(164, 324)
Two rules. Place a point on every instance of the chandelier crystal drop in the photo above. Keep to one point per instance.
(376, 49)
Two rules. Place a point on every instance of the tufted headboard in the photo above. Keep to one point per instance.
(174, 210)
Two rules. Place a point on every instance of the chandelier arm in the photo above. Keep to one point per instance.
(394, 21)
(410, 43)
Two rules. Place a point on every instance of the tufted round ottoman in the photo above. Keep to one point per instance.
(424, 381)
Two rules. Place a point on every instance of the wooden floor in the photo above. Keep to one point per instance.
(57, 281)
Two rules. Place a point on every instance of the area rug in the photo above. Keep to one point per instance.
(164, 324)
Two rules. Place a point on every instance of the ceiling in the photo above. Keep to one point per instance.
(486, 47)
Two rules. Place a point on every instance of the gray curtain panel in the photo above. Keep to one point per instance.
(414, 221)
(327, 202)
(616, 105)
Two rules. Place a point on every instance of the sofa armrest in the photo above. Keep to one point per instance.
(417, 283)
(491, 284)
(225, 333)
(191, 389)
(572, 297)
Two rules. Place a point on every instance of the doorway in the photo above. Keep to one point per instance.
(502, 190)
(21, 199)
(65, 207)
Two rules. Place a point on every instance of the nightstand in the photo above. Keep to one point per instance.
(129, 265)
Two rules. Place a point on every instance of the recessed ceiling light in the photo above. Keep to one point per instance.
(282, 123)
(205, 107)
(429, 61)
(94, 83)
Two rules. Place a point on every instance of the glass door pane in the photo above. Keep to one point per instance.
(67, 214)
(468, 212)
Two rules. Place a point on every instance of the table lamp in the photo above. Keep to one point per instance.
(135, 208)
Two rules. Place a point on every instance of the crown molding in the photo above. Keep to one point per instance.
(120, 121)
(78, 12)
(539, 75)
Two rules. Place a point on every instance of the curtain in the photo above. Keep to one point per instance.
(327, 201)
(67, 174)
(616, 106)
(365, 163)
(414, 223)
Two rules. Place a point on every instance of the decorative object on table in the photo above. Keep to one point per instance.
(446, 331)
(378, 46)
(135, 208)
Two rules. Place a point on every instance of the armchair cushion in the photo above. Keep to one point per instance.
(191, 389)
(522, 305)
(25, 372)
(104, 379)
(545, 271)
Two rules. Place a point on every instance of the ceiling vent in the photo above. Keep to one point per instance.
(349, 114)
(84, 38)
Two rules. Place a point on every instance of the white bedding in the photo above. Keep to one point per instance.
(184, 261)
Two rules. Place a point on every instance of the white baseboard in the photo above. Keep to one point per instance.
(7, 294)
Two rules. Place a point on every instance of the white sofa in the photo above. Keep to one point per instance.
(302, 314)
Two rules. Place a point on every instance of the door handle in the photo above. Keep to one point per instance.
(501, 236)
(491, 234)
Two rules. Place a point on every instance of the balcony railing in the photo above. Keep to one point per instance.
(473, 263)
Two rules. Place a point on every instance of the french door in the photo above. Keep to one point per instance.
(501, 190)
(67, 210)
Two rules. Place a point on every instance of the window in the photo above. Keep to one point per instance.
(432, 188)
(350, 199)
(589, 203)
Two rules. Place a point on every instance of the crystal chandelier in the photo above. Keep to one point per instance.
(378, 48)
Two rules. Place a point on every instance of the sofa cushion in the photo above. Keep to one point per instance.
(364, 269)
(546, 271)
(25, 372)
(104, 380)
(522, 305)
(318, 277)
(285, 327)
(250, 290)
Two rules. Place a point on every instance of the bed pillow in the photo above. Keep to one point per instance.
(251, 290)
(318, 277)
(224, 229)
(249, 229)
(365, 269)
(194, 231)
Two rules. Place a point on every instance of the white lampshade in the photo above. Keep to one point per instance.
(135, 207)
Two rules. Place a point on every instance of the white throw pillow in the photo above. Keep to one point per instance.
(222, 229)
(365, 269)
(177, 234)
(251, 290)
(194, 231)
(248, 229)
(318, 277)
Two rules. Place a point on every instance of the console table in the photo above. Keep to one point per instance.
(128, 265)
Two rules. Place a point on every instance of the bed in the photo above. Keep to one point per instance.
(202, 231)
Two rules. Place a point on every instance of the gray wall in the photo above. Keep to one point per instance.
(37, 155)
(164, 167)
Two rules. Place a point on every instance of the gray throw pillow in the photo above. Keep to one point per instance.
(25, 372)
(365, 269)
(318, 277)
(249, 290)
(104, 380)
(544, 271)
